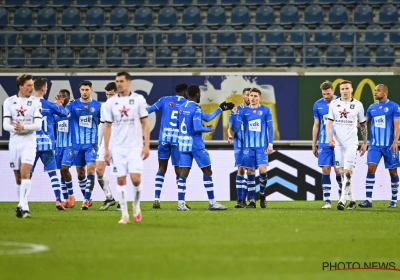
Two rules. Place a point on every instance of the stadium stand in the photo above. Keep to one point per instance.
(199, 33)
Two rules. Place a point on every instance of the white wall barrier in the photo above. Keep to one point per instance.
(293, 175)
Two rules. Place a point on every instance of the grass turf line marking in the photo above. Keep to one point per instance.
(27, 248)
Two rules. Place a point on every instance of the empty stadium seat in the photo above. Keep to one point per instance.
(9, 38)
(94, 17)
(101, 39)
(363, 14)
(40, 57)
(303, 2)
(348, 2)
(362, 56)
(22, 17)
(65, 57)
(212, 56)
(374, 35)
(114, 57)
(36, 3)
(251, 37)
(201, 38)
(216, 16)
(143, 17)
(163, 57)
(132, 3)
(284, 56)
(108, 3)
(154, 38)
(300, 36)
(278, 2)
(137, 57)
(388, 14)
(157, 3)
(31, 37)
(338, 15)
(313, 15)
(59, 4)
(335, 56)
(71, 17)
(240, 15)
(16, 57)
(255, 2)
(84, 3)
(230, 2)
(324, 36)
(81, 38)
(118, 17)
(235, 56)
(46, 18)
(127, 38)
(206, 2)
(178, 37)
(58, 37)
(262, 56)
(289, 15)
(327, 2)
(227, 36)
(275, 37)
(394, 35)
(186, 57)
(13, 3)
(191, 16)
(349, 36)
(265, 15)
(180, 3)
(167, 17)
(310, 56)
(385, 56)
(378, 2)
(88, 57)
(3, 18)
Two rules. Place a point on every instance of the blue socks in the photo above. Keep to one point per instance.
(240, 185)
(395, 188)
(251, 187)
(369, 185)
(82, 185)
(55, 184)
(326, 188)
(159, 184)
(89, 187)
(64, 189)
(263, 182)
(208, 184)
(181, 190)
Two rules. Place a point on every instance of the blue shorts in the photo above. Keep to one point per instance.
(326, 156)
(254, 157)
(202, 158)
(390, 159)
(59, 156)
(80, 155)
(238, 157)
(48, 159)
(167, 150)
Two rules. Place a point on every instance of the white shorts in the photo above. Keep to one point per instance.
(21, 152)
(126, 161)
(346, 156)
(101, 152)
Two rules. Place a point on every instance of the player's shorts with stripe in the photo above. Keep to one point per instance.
(346, 156)
(169, 150)
(21, 152)
(48, 159)
(80, 155)
(59, 156)
(326, 156)
(238, 157)
(101, 152)
(126, 161)
(254, 157)
(390, 158)
(202, 158)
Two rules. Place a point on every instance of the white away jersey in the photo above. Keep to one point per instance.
(125, 114)
(345, 115)
(24, 110)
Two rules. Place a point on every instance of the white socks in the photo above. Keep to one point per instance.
(123, 200)
(25, 189)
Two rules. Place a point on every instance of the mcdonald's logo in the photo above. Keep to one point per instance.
(359, 89)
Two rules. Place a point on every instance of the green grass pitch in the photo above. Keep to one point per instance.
(288, 240)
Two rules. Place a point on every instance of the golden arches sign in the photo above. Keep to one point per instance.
(359, 88)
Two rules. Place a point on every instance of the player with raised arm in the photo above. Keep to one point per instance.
(343, 117)
(169, 132)
(384, 120)
(236, 138)
(258, 135)
(126, 123)
(111, 90)
(191, 146)
(84, 117)
(45, 137)
(322, 150)
(22, 116)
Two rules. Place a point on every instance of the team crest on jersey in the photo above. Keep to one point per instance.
(21, 112)
(352, 106)
(131, 101)
(260, 113)
(92, 110)
(12, 165)
(344, 113)
(124, 111)
(386, 109)
(337, 163)
(29, 103)
(171, 104)
(114, 169)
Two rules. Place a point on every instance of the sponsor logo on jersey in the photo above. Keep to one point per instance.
(85, 121)
(21, 111)
(344, 113)
(380, 122)
(255, 125)
(62, 126)
(124, 111)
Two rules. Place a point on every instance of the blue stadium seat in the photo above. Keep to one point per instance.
(201, 38)
(13, 3)
(206, 2)
(278, 2)
(36, 3)
(394, 35)
(191, 16)
(235, 56)
(9, 39)
(289, 15)
(227, 37)
(180, 3)
(99, 38)
(94, 17)
(277, 36)
(302, 35)
(230, 2)
(65, 57)
(58, 38)
(350, 2)
(81, 38)
(16, 57)
(3, 18)
(84, 3)
(240, 16)
(303, 2)
(157, 3)
(143, 17)
(394, 1)
(108, 3)
(255, 2)
(362, 56)
(335, 56)
(251, 37)
(59, 4)
(118, 17)
(40, 57)
(363, 14)
(385, 56)
(325, 36)
(137, 57)
(265, 15)
(128, 38)
(310, 56)
(46, 18)
(114, 57)
(349, 37)
(284, 56)
(374, 35)
(186, 57)
(152, 38)
(88, 57)
(388, 14)
(71, 17)
(22, 17)
(32, 37)
(178, 37)
(338, 15)
(313, 15)
(212, 56)
(163, 57)
(132, 3)
(262, 56)
(216, 16)
(378, 2)
(327, 2)
(167, 17)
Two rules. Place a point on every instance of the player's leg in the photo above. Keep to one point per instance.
(339, 158)
(135, 170)
(28, 153)
(164, 153)
(15, 165)
(90, 153)
(392, 162)
(185, 164)
(325, 161)
(103, 180)
(374, 156)
(349, 158)
(50, 166)
(34, 163)
(240, 180)
(64, 189)
(249, 163)
(338, 180)
(262, 163)
(68, 159)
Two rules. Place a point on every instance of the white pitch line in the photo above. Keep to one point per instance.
(27, 248)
